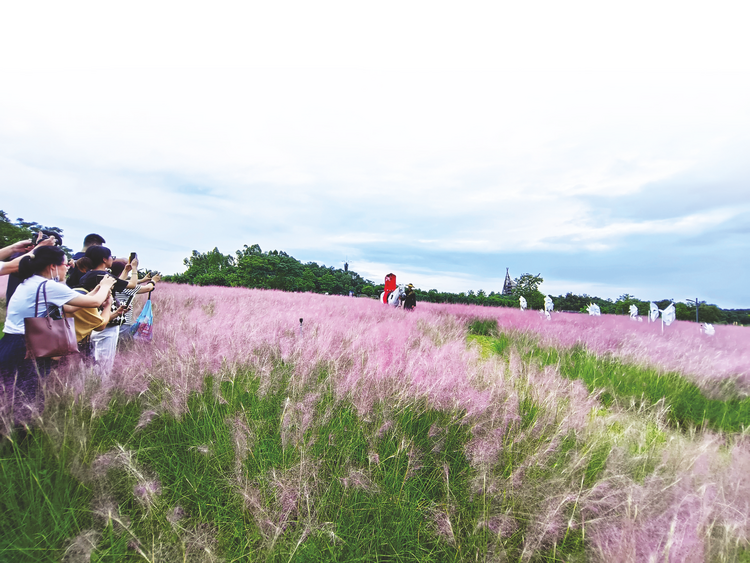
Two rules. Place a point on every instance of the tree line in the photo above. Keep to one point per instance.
(275, 269)
(252, 267)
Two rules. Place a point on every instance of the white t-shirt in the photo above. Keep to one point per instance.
(23, 302)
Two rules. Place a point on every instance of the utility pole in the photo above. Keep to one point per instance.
(697, 306)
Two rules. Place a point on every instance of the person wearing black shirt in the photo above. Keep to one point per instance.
(410, 301)
(91, 240)
(105, 341)
(75, 271)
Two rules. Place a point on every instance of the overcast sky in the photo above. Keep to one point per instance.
(604, 147)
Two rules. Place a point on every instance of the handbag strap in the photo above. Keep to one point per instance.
(42, 286)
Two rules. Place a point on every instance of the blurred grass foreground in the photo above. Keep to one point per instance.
(366, 433)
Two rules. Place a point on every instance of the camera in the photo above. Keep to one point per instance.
(37, 239)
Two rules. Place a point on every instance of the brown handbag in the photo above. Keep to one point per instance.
(47, 337)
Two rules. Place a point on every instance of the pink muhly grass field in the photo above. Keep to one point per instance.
(208, 327)
(376, 354)
(681, 347)
(370, 350)
(371, 355)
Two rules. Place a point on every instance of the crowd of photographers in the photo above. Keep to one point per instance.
(94, 288)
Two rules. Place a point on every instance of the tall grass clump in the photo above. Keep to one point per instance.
(363, 434)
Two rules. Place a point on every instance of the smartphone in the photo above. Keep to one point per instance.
(133, 256)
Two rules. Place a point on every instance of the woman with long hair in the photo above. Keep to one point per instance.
(45, 264)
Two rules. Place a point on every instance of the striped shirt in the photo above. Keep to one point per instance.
(123, 297)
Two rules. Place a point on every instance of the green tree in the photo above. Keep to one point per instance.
(737, 316)
(710, 314)
(22, 230)
(208, 268)
(10, 233)
(527, 286)
(706, 313)
(368, 290)
(622, 305)
(327, 283)
(253, 270)
(307, 283)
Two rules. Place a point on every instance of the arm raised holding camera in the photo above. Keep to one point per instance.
(97, 296)
(148, 283)
(131, 268)
(108, 314)
(24, 246)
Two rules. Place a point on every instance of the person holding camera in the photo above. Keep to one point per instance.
(11, 255)
(92, 319)
(15, 252)
(79, 268)
(44, 264)
(144, 285)
(105, 341)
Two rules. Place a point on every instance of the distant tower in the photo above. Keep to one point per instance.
(346, 266)
(508, 285)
